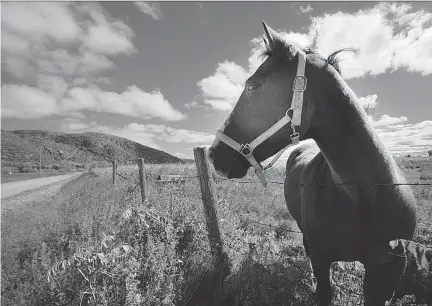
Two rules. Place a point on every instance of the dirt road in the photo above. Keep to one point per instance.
(10, 189)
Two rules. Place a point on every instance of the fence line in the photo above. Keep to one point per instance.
(142, 182)
(209, 199)
(325, 185)
(189, 177)
(304, 184)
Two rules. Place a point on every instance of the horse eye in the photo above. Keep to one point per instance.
(251, 87)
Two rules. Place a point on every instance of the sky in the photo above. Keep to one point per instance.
(167, 74)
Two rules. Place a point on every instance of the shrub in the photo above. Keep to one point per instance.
(56, 167)
(27, 170)
(9, 169)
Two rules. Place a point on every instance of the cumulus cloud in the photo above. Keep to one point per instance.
(369, 103)
(104, 34)
(18, 101)
(33, 42)
(51, 84)
(388, 120)
(192, 104)
(150, 8)
(222, 89)
(147, 134)
(304, 10)
(389, 36)
(408, 138)
(65, 63)
(38, 21)
(26, 102)
(132, 102)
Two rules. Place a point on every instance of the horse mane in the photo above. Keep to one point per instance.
(332, 59)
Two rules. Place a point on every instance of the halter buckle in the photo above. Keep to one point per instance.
(295, 138)
(299, 83)
(245, 150)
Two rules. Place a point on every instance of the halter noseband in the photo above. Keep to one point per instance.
(299, 86)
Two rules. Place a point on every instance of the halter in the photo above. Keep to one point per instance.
(299, 86)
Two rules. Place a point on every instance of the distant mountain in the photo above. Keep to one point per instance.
(21, 149)
(188, 160)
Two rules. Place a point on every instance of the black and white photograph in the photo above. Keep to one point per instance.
(216, 153)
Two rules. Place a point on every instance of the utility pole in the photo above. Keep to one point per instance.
(40, 162)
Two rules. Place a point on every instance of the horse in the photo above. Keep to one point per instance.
(345, 190)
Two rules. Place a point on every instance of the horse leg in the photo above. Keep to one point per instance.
(310, 275)
(380, 281)
(321, 269)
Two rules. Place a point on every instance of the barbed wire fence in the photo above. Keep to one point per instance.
(207, 194)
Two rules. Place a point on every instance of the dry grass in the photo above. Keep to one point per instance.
(100, 246)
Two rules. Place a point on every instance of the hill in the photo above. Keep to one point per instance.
(20, 150)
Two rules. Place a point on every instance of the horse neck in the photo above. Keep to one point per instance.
(350, 144)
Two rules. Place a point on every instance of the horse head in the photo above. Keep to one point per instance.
(269, 95)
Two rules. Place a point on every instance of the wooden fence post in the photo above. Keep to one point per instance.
(209, 198)
(142, 180)
(114, 162)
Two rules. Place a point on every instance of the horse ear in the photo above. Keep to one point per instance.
(270, 33)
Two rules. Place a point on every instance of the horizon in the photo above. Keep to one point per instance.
(167, 74)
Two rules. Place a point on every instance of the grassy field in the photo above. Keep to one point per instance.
(92, 244)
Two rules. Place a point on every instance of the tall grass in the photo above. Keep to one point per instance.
(93, 244)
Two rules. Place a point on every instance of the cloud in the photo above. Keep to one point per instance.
(369, 103)
(146, 134)
(104, 34)
(195, 104)
(14, 44)
(408, 138)
(62, 62)
(33, 42)
(389, 36)
(304, 10)
(18, 67)
(191, 104)
(21, 101)
(65, 63)
(222, 89)
(40, 21)
(388, 120)
(150, 8)
(168, 134)
(132, 102)
(51, 84)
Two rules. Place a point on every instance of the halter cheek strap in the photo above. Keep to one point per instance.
(298, 87)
